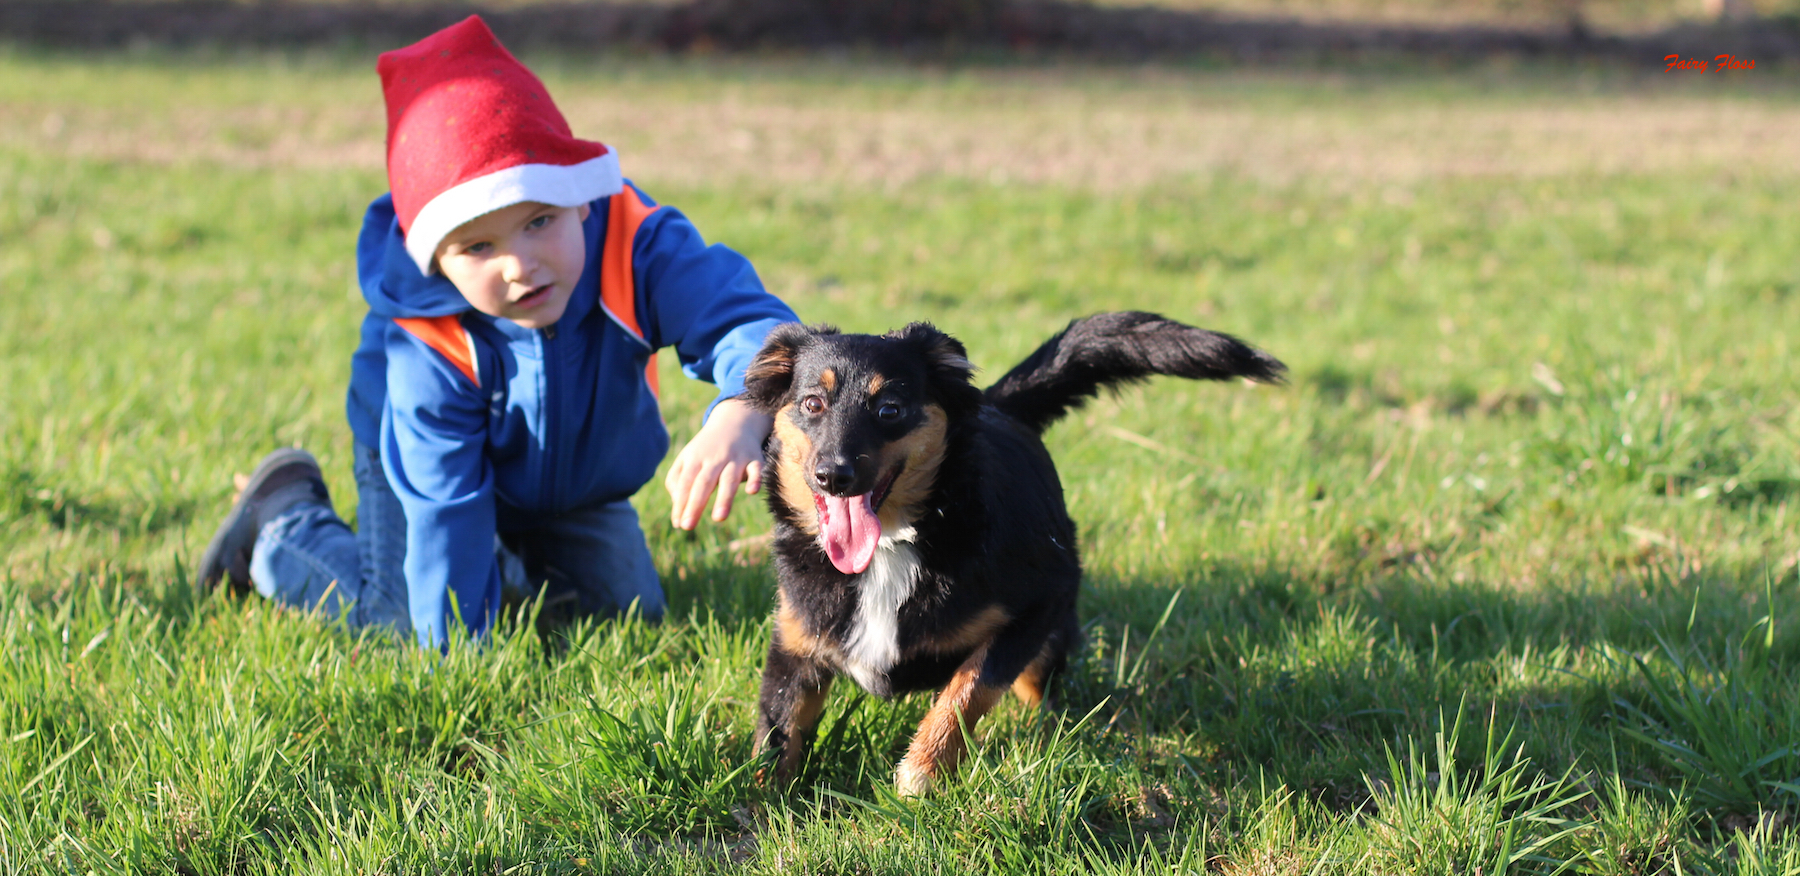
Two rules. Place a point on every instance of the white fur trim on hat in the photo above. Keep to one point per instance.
(555, 184)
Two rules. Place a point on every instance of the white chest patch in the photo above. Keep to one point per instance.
(874, 642)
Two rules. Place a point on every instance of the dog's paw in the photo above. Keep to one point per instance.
(911, 780)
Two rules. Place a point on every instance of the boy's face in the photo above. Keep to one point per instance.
(519, 263)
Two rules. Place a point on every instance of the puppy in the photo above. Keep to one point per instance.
(921, 541)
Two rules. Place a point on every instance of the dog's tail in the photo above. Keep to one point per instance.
(1109, 349)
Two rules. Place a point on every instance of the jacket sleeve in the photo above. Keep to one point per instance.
(433, 443)
(705, 301)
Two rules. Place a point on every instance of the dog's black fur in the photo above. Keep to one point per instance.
(970, 510)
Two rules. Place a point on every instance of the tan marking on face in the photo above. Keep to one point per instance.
(790, 471)
(939, 744)
(876, 383)
(921, 451)
(828, 379)
(974, 633)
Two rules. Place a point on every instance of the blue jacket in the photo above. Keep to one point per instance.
(533, 422)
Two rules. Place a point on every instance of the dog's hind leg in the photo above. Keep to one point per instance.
(793, 697)
(1032, 684)
(1032, 687)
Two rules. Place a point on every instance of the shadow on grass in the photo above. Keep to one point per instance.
(1249, 673)
(734, 588)
(1246, 668)
(25, 494)
(1235, 668)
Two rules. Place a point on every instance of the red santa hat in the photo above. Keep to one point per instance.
(470, 131)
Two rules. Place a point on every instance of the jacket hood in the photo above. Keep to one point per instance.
(390, 279)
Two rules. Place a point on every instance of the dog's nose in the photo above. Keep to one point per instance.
(834, 478)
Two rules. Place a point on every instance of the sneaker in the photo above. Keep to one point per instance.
(283, 479)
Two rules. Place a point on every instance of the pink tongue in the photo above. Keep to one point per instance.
(850, 531)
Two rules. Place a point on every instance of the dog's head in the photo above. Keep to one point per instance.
(860, 427)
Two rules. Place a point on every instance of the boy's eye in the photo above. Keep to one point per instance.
(888, 411)
(812, 404)
(477, 248)
(539, 222)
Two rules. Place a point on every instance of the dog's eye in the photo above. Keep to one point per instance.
(889, 411)
(812, 404)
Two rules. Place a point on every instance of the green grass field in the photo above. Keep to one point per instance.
(1503, 582)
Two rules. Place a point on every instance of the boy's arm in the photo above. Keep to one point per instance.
(433, 438)
(707, 303)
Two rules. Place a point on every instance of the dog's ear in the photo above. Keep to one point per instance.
(771, 373)
(946, 364)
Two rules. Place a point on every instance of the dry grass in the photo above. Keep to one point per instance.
(1074, 127)
(1062, 135)
(1617, 16)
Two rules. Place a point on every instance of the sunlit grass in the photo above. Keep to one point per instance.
(1532, 476)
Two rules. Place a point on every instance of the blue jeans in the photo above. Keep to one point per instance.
(591, 560)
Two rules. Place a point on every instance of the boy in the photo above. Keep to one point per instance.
(503, 398)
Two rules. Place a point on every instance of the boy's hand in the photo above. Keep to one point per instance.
(726, 452)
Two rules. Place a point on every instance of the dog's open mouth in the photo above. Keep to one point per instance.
(849, 528)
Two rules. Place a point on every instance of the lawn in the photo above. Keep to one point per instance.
(1502, 581)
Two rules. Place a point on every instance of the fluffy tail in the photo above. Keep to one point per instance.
(1108, 349)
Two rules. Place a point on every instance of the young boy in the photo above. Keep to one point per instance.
(504, 393)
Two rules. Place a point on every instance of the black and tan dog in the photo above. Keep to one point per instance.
(921, 540)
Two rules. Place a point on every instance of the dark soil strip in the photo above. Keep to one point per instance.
(916, 26)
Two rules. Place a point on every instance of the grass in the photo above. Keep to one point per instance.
(1505, 574)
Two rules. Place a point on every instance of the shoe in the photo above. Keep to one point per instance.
(283, 479)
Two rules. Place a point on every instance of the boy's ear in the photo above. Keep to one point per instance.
(947, 366)
(771, 373)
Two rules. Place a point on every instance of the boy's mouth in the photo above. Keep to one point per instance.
(534, 297)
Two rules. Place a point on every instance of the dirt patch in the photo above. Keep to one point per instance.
(1045, 129)
(788, 122)
(1122, 32)
(1106, 147)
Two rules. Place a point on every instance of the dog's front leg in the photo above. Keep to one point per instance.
(939, 746)
(793, 696)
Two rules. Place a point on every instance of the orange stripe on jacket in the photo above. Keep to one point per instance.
(446, 335)
(618, 282)
(618, 294)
